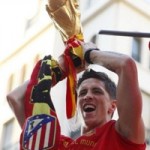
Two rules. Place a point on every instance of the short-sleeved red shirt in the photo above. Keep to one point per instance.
(103, 138)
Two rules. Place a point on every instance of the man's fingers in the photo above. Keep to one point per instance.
(88, 46)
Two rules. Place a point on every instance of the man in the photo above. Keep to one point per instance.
(97, 100)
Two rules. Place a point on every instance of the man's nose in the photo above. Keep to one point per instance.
(88, 96)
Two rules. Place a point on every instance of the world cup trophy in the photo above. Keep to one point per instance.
(65, 15)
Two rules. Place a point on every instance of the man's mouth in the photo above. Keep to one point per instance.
(89, 107)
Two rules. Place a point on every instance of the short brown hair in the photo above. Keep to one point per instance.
(110, 86)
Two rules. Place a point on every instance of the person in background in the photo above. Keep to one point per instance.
(97, 99)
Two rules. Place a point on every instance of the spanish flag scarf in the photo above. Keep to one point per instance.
(73, 56)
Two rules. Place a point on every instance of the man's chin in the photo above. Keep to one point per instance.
(89, 121)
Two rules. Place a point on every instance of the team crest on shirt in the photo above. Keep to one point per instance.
(40, 132)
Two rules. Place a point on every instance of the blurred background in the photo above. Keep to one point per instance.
(27, 34)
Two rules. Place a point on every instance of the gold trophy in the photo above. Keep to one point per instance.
(66, 17)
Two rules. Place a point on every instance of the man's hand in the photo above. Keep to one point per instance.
(87, 48)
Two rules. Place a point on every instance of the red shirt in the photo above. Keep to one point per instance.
(103, 138)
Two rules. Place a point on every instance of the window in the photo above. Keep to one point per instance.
(148, 136)
(10, 135)
(136, 49)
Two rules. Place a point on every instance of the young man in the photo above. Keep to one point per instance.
(97, 99)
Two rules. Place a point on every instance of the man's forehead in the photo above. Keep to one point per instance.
(91, 82)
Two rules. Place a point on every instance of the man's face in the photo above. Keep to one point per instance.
(94, 102)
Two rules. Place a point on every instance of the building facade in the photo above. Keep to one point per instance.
(40, 38)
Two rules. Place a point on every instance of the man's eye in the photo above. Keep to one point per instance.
(82, 93)
(98, 92)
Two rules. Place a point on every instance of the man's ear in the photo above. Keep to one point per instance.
(113, 106)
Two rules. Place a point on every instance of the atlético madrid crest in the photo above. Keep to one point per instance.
(39, 132)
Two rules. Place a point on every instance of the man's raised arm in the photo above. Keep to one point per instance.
(129, 99)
